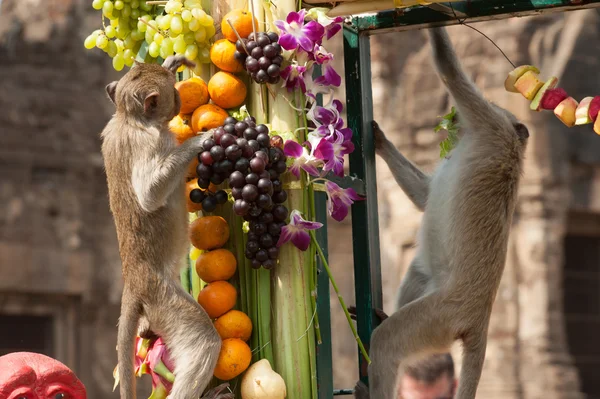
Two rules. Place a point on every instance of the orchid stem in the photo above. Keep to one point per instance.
(340, 298)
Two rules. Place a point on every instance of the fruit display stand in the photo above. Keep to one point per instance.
(262, 190)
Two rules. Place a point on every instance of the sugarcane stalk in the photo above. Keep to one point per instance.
(293, 331)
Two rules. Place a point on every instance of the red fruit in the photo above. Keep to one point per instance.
(553, 97)
(594, 108)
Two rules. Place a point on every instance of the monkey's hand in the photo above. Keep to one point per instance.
(379, 312)
(379, 136)
(173, 62)
(361, 391)
(219, 392)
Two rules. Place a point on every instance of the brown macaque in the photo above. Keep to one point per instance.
(145, 170)
(468, 203)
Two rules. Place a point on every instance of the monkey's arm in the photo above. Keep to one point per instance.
(154, 180)
(411, 179)
(469, 100)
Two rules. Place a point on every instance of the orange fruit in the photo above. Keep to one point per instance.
(222, 55)
(217, 298)
(227, 90)
(208, 116)
(209, 232)
(181, 127)
(234, 324)
(242, 23)
(193, 93)
(234, 359)
(219, 264)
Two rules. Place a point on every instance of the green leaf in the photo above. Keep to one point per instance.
(448, 123)
(239, 113)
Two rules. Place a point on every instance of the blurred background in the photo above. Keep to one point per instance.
(60, 281)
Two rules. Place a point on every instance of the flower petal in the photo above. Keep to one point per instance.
(297, 17)
(301, 240)
(304, 42)
(280, 25)
(293, 149)
(314, 31)
(286, 235)
(288, 41)
(310, 169)
(308, 225)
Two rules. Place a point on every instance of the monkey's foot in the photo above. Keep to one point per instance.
(379, 312)
(219, 392)
(378, 135)
(361, 391)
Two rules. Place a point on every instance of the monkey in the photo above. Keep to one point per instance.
(468, 203)
(145, 171)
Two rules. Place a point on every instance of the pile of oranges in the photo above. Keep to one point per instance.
(215, 265)
(224, 89)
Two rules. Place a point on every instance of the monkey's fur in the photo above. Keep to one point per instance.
(448, 291)
(145, 171)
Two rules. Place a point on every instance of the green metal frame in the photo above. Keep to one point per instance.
(359, 108)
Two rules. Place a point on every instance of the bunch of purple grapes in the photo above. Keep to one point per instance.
(243, 152)
(208, 200)
(261, 56)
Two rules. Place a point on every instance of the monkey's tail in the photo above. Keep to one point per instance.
(128, 322)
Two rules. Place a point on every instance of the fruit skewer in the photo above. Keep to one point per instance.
(547, 96)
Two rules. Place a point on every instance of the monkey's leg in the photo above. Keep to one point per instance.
(144, 330)
(413, 285)
(469, 100)
(418, 328)
(155, 179)
(126, 330)
(191, 338)
(472, 364)
(411, 179)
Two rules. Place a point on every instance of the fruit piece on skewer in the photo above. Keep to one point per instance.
(597, 126)
(552, 98)
(565, 111)
(536, 104)
(594, 108)
(582, 114)
(529, 85)
(512, 78)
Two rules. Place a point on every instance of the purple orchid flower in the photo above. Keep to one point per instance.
(331, 25)
(329, 78)
(295, 34)
(339, 200)
(341, 144)
(293, 77)
(297, 231)
(320, 55)
(302, 159)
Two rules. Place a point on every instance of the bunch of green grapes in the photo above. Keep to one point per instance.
(176, 27)
(121, 38)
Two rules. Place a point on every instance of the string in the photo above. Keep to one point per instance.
(462, 22)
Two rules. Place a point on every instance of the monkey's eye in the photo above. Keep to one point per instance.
(60, 395)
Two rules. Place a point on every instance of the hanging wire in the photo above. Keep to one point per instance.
(462, 22)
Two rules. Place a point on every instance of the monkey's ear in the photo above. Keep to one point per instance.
(111, 89)
(522, 131)
(150, 103)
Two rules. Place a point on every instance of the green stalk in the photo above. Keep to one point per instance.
(293, 331)
(340, 298)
